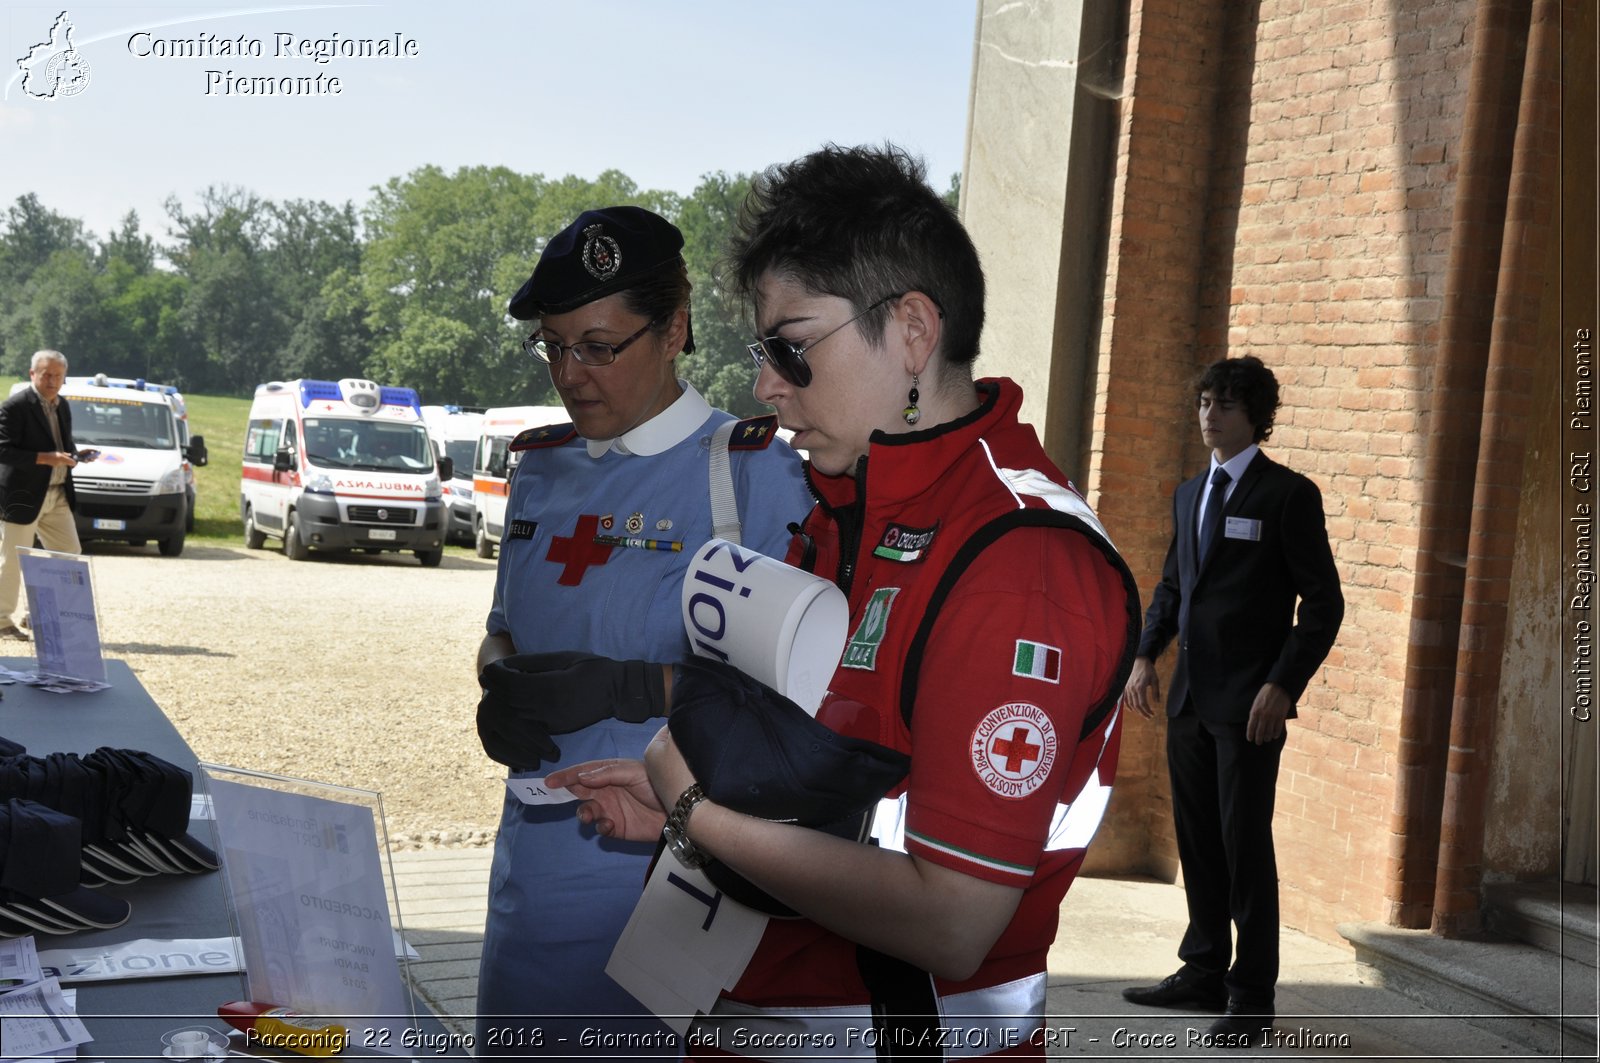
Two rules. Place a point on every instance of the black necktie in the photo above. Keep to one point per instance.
(1211, 521)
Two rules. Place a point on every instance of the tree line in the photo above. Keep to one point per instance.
(410, 289)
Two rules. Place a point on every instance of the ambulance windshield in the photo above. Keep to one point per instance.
(377, 446)
(119, 423)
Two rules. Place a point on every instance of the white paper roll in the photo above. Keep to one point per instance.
(772, 621)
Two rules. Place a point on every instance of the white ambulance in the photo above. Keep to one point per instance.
(341, 465)
(137, 487)
(493, 463)
(455, 431)
(180, 411)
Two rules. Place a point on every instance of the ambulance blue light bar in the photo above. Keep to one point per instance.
(312, 390)
(401, 397)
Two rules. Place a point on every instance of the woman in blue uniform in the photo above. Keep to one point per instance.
(609, 305)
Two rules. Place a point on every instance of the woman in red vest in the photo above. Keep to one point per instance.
(992, 628)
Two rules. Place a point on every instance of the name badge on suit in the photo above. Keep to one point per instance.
(1242, 528)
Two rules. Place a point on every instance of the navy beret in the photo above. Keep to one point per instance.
(604, 251)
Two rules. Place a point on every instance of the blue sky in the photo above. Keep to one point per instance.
(665, 91)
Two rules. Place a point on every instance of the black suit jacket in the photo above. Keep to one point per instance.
(24, 435)
(1234, 616)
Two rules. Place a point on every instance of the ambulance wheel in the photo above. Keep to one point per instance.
(171, 547)
(480, 540)
(254, 537)
(294, 547)
(430, 558)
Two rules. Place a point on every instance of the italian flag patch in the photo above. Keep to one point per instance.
(1035, 660)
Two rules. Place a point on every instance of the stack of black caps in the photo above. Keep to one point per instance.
(39, 875)
(131, 810)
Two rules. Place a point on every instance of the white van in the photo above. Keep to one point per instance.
(455, 431)
(180, 411)
(341, 465)
(492, 465)
(139, 488)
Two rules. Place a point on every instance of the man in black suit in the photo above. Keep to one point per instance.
(36, 457)
(1248, 540)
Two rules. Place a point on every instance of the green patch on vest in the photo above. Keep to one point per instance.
(862, 649)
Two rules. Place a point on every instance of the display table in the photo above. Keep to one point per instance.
(128, 1018)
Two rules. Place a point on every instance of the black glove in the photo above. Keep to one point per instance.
(527, 697)
(519, 742)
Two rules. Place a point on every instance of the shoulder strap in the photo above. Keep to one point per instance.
(724, 505)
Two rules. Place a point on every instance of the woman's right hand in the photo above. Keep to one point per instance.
(616, 797)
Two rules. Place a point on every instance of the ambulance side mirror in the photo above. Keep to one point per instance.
(196, 451)
(283, 460)
(447, 469)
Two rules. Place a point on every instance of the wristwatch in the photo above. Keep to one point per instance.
(676, 832)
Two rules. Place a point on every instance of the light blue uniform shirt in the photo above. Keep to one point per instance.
(559, 894)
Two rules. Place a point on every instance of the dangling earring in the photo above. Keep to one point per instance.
(911, 413)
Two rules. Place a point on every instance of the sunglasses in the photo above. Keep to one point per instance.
(788, 360)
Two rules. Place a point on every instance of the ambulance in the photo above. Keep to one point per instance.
(337, 465)
(493, 464)
(136, 488)
(455, 431)
(180, 411)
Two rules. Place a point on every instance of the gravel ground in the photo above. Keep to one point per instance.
(356, 670)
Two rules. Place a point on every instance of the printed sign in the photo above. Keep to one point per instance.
(66, 631)
(309, 896)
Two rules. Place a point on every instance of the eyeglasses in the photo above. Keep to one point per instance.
(588, 352)
(788, 360)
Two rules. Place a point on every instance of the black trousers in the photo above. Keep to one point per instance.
(1223, 787)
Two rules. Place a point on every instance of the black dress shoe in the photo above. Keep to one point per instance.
(1179, 990)
(1242, 1025)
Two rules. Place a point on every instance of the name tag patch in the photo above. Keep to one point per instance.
(522, 529)
(900, 543)
(1242, 528)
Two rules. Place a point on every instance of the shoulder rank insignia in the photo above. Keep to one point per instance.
(754, 433)
(551, 435)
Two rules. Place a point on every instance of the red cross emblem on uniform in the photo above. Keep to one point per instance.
(1016, 750)
(575, 553)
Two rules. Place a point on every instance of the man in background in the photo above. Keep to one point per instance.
(1249, 541)
(36, 499)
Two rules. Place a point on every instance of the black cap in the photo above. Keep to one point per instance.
(755, 751)
(604, 251)
(39, 873)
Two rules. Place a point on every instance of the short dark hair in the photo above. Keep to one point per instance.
(660, 295)
(1245, 380)
(861, 224)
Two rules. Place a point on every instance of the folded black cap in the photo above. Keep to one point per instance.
(39, 873)
(755, 751)
(604, 251)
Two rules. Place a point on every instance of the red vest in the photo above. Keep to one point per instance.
(897, 536)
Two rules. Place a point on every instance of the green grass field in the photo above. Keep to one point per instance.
(221, 421)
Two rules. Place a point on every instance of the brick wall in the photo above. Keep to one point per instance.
(1146, 358)
(1311, 148)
